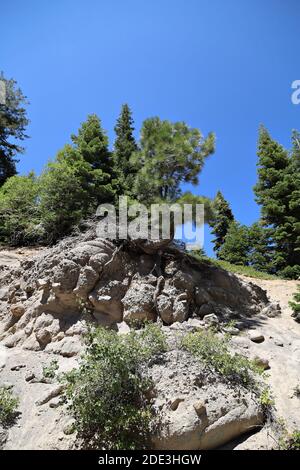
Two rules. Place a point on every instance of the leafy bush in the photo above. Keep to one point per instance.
(8, 406)
(290, 272)
(290, 441)
(214, 352)
(19, 213)
(49, 371)
(265, 398)
(108, 393)
(295, 305)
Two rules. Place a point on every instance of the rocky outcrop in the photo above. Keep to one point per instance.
(47, 302)
(199, 410)
(84, 279)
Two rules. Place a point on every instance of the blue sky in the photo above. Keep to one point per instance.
(220, 65)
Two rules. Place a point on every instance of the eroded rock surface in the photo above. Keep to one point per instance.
(52, 296)
(48, 300)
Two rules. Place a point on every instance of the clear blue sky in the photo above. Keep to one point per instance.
(220, 65)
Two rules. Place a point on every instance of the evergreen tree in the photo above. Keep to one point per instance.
(277, 191)
(92, 144)
(170, 154)
(13, 122)
(78, 181)
(222, 219)
(236, 246)
(63, 199)
(124, 147)
(261, 248)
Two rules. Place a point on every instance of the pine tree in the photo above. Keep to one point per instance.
(124, 147)
(170, 154)
(92, 143)
(261, 248)
(78, 181)
(13, 122)
(222, 219)
(277, 191)
(236, 246)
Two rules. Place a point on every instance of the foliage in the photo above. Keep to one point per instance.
(236, 245)
(233, 268)
(8, 407)
(290, 441)
(170, 154)
(91, 142)
(63, 200)
(124, 147)
(214, 352)
(13, 122)
(77, 182)
(49, 371)
(222, 219)
(19, 212)
(193, 199)
(261, 249)
(108, 393)
(244, 270)
(277, 191)
(295, 305)
(248, 246)
(290, 272)
(86, 173)
(265, 398)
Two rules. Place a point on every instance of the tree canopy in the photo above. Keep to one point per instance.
(221, 221)
(170, 154)
(13, 123)
(124, 148)
(277, 192)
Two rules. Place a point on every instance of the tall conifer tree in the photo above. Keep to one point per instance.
(220, 224)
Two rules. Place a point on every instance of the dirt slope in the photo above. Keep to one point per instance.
(282, 349)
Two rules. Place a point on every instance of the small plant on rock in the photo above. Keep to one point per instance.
(290, 441)
(214, 352)
(107, 394)
(49, 371)
(297, 391)
(295, 305)
(265, 398)
(8, 407)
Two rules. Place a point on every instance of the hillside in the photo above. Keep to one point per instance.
(41, 322)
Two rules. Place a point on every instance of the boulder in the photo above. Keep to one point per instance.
(211, 320)
(17, 310)
(138, 302)
(208, 413)
(256, 336)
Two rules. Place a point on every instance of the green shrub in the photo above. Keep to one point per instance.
(290, 441)
(295, 305)
(214, 352)
(107, 394)
(265, 398)
(290, 272)
(19, 212)
(49, 371)
(234, 268)
(244, 270)
(8, 407)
